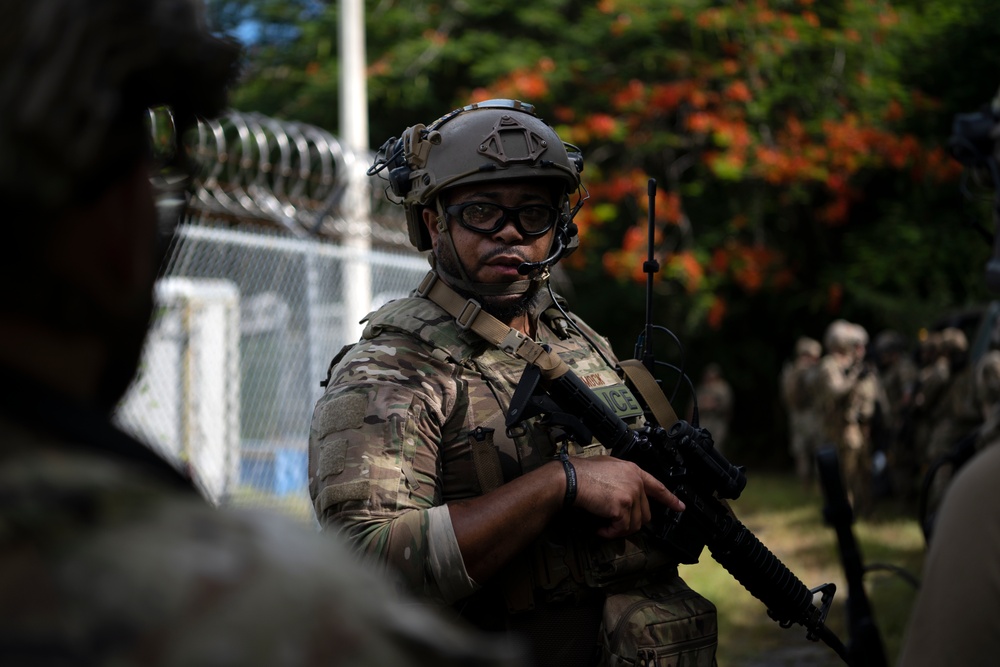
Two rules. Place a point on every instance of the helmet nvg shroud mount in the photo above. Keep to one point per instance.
(495, 140)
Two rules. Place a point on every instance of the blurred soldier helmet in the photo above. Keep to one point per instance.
(806, 346)
(495, 140)
(954, 346)
(76, 77)
(838, 336)
(953, 340)
(889, 341)
(858, 335)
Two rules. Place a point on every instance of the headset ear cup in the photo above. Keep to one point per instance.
(399, 170)
(399, 180)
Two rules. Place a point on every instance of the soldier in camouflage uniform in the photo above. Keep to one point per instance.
(798, 393)
(956, 411)
(715, 404)
(409, 454)
(108, 556)
(899, 374)
(850, 393)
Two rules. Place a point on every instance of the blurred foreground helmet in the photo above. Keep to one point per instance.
(496, 140)
(76, 78)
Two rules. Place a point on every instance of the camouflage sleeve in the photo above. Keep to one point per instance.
(933, 380)
(832, 379)
(107, 565)
(376, 445)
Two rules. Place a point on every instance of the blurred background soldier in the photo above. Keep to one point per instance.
(715, 404)
(935, 373)
(798, 393)
(848, 390)
(915, 426)
(109, 556)
(956, 412)
(898, 373)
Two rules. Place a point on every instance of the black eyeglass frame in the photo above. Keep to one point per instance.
(513, 214)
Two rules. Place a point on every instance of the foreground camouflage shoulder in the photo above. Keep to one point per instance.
(102, 564)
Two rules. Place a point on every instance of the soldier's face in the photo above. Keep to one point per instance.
(494, 257)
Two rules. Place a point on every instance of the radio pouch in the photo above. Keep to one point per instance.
(658, 625)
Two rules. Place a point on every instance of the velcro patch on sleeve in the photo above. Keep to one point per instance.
(332, 457)
(336, 494)
(342, 412)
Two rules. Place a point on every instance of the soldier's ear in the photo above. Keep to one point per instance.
(430, 218)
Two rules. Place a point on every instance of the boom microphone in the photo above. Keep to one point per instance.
(558, 246)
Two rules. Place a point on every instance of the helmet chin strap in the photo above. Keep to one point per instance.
(463, 282)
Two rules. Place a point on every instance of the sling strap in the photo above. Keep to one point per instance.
(469, 315)
(646, 385)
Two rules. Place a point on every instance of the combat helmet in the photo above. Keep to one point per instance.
(838, 336)
(806, 346)
(495, 140)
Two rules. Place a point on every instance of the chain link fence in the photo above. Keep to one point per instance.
(250, 311)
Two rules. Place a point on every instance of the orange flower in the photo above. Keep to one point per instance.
(720, 260)
(738, 91)
(834, 297)
(634, 92)
(894, 111)
(634, 239)
(749, 277)
(716, 313)
(601, 125)
(691, 269)
(666, 97)
(700, 122)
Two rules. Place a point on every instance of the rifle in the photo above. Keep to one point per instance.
(865, 648)
(683, 457)
(685, 460)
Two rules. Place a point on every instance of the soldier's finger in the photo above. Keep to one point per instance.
(657, 491)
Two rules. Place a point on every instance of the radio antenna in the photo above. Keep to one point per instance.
(649, 267)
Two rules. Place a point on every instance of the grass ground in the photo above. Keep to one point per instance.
(788, 520)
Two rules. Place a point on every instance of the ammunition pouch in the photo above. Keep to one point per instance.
(658, 625)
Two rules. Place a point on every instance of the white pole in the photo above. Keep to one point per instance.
(357, 285)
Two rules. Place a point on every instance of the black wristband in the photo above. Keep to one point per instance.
(570, 496)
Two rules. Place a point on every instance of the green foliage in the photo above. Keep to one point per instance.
(797, 147)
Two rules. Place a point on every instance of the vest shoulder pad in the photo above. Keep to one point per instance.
(424, 320)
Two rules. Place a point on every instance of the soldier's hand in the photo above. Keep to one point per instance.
(619, 492)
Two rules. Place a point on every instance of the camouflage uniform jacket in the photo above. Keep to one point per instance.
(406, 413)
(834, 384)
(109, 557)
